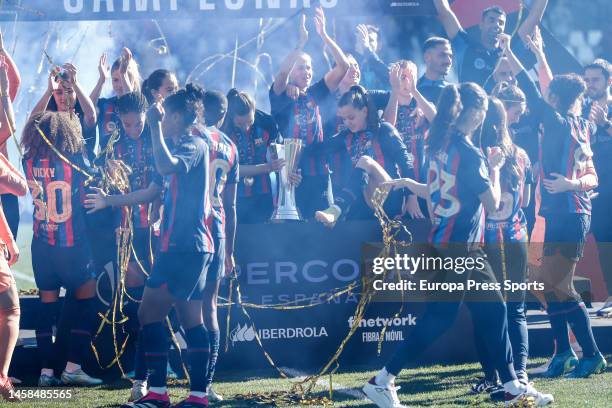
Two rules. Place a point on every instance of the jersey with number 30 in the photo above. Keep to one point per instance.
(456, 175)
(57, 191)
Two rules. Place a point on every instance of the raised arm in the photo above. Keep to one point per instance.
(14, 77)
(536, 45)
(7, 116)
(428, 108)
(533, 19)
(43, 102)
(369, 55)
(99, 200)
(333, 77)
(448, 18)
(89, 110)
(164, 161)
(104, 73)
(282, 77)
(126, 60)
(390, 114)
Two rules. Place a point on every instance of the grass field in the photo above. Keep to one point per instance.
(436, 386)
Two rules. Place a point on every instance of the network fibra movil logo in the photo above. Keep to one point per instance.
(247, 333)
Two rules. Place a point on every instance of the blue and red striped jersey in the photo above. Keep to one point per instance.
(564, 149)
(252, 148)
(456, 175)
(57, 192)
(383, 145)
(508, 224)
(301, 119)
(108, 120)
(138, 155)
(187, 217)
(412, 127)
(223, 170)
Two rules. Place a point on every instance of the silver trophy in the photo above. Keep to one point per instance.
(290, 150)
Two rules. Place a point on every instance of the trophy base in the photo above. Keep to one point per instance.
(283, 215)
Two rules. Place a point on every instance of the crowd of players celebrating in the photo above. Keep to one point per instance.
(464, 155)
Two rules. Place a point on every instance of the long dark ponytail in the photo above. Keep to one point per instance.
(455, 101)
(357, 97)
(238, 104)
(495, 134)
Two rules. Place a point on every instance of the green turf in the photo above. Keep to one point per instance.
(436, 386)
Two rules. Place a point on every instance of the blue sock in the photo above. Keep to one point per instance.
(140, 364)
(558, 323)
(197, 356)
(46, 319)
(155, 349)
(578, 318)
(214, 338)
(82, 313)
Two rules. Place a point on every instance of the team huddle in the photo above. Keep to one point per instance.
(467, 156)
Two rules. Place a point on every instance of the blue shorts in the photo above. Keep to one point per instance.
(566, 233)
(183, 273)
(216, 270)
(55, 267)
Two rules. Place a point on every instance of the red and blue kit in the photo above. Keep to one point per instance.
(383, 145)
(57, 192)
(223, 170)
(252, 147)
(138, 155)
(108, 120)
(564, 149)
(456, 175)
(508, 224)
(301, 119)
(187, 218)
(412, 127)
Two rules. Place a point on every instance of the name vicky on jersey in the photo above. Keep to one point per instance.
(43, 172)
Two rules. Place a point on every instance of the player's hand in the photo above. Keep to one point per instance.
(535, 43)
(295, 178)
(557, 184)
(412, 208)
(13, 252)
(155, 114)
(598, 114)
(303, 33)
(496, 158)
(95, 201)
(103, 68)
(395, 77)
(126, 58)
(362, 36)
(292, 91)
(319, 20)
(230, 265)
(71, 70)
(504, 42)
(276, 165)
